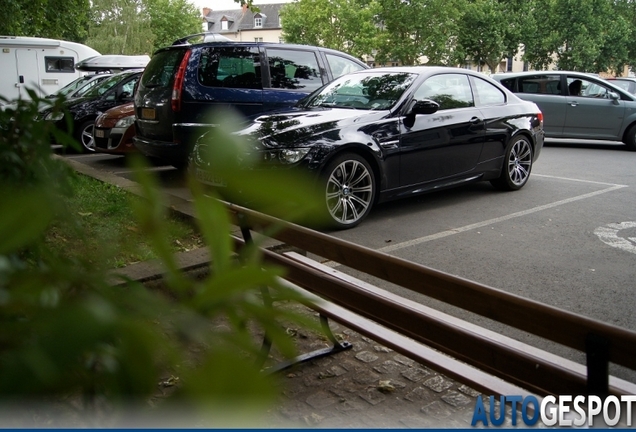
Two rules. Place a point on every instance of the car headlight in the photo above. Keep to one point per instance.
(291, 156)
(54, 116)
(125, 122)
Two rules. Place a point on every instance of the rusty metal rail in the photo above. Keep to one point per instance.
(530, 368)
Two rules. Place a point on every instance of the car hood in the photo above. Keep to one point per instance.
(299, 127)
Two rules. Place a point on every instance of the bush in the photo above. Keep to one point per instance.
(90, 351)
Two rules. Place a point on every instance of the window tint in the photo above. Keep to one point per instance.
(340, 65)
(230, 67)
(448, 90)
(161, 69)
(59, 64)
(486, 93)
(294, 70)
(509, 83)
(540, 84)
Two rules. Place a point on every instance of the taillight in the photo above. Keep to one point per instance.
(540, 117)
(178, 82)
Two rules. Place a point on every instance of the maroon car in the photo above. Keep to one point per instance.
(114, 130)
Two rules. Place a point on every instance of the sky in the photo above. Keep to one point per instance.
(228, 4)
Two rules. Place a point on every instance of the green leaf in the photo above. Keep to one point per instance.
(23, 219)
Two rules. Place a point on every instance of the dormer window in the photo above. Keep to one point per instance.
(224, 24)
(258, 22)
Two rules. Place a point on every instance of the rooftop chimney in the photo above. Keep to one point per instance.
(206, 11)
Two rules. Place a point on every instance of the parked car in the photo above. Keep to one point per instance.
(115, 90)
(115, 129)
(183, 83)
(577, 105)
(381, 134)
(626, 83)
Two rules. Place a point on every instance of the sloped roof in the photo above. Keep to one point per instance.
(244, 20)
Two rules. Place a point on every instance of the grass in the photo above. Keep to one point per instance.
(102, 228)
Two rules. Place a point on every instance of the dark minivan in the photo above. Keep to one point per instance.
(184, 82)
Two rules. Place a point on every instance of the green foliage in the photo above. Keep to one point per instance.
(345, 25)
(171, 20)
(140, 26)
(488, 32)
(55, 19)
(120, 27)
(69, 338)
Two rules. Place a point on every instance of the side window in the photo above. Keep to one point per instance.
(294, 70)
(585, 88)
(230, 67)
(129, 87)
(340, 65)
(486, 93)
(59, 64)
(448, 90)
(509, 83)
(540, 84)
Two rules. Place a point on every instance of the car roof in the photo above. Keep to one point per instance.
(544, 72)
(184, 44)
(429, 70)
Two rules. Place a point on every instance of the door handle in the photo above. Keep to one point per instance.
(574, 103)
(475, 121)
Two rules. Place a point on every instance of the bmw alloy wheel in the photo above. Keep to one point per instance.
(349, 190)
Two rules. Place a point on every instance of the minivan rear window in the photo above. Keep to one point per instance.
(161, 69)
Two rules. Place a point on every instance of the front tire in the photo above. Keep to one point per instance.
(517, 165)
(84, 135)
(349, 190)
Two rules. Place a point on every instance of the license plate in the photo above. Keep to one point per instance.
(148, 113)
(209, 178)
(99, 133)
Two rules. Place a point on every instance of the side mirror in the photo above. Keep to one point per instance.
(425, 106)
(614, 97)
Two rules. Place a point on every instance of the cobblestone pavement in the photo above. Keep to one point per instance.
(368, 386)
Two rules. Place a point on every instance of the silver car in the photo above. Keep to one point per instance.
(577, 105)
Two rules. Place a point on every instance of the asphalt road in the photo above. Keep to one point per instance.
(568, 238)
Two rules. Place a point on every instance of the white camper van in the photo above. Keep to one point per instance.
(45, 65)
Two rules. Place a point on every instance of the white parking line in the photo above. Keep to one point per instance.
(576, 180)
(443, 234)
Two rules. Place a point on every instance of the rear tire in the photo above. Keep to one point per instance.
(517, 165)
(348, 186)
(630, 138)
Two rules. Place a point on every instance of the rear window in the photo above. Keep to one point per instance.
(540, 84)
(161, 69)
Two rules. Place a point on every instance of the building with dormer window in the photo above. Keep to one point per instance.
(245, 25)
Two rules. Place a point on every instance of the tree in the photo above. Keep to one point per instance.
(120, 27)
(489, 31)
(411, 29)
(55, 19)
(171, 20)
(582, 35)
(345, 25)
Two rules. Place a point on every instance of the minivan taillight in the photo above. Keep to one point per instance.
(178, 82)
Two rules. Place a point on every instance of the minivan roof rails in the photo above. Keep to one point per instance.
(206, 37)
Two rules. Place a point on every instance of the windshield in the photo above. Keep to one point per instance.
(68, 88)
(161, 69)
(368, 91)
(105, 85)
